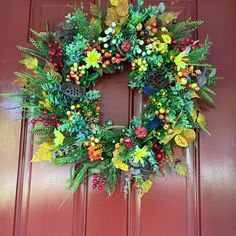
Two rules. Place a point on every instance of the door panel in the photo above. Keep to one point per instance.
(218, 162)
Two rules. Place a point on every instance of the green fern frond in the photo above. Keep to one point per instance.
(206, 94)
(186, 26)
(199, 54)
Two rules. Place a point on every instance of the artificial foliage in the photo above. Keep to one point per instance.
(168, 66)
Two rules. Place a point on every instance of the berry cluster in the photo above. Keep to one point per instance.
(182, 45)
(149, 30)
(76, 72)
(160, 154)
(98, 181)
(56, 54)
(47, 120)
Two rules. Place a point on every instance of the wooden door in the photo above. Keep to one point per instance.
(33, 201)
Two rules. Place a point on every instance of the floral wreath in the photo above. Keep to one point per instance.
(60, 98)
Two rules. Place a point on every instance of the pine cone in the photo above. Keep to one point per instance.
(156, 79)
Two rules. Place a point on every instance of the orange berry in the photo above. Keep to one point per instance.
(117, 61)
(107, 62)
(118, 55)
(154, 30)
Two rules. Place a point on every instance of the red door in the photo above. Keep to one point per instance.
(33, 201)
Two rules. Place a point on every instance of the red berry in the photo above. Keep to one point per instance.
(33, 121)
(61, 64)
(54, 117)
(103, 181)
(46, 124)
(177, 48)
(174, 41)
(187, 40)
(193, 47)
(155, 146)
(44, 112)
(160, 164)
(56, 43)
(100, 187)
(182, 49)
(54, 124)
(95, 181)
(94, 186)
(161, 150)
(58, 123)
(51, 60)
(192, 41)
(59, 47)
(40, 119)
(56, 69)
(199, 45)
(182, 43)
(95, 175)
(50, 45)
(159, 156)
(60, 54)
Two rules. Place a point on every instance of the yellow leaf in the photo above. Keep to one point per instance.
(123, 8)
(146, 186)
(20, 82)
(43, 153)
(194, 95)
(181, 141)
(167, 17)
(111, 16)
(171, 136)
(115, 2)
(48, 67)
(30, 63)
(201, 120)
(59, 138)
(189, 135)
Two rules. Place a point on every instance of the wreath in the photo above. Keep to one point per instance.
(59, 96)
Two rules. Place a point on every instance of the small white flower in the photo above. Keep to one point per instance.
(113, 24)
(141, 42)
(105, 45)
(149, 52)
(144, 54)
(139, 51)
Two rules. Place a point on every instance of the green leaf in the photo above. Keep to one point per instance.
(181, 169)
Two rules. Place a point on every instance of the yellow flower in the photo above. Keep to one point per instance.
(119, 164)
(92, 59)
(166, 38)
(140, 153)
(158, 46)
(179, 61)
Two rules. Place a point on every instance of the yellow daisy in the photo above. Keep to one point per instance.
(158, 46)
(92, 59)
(140, 153)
